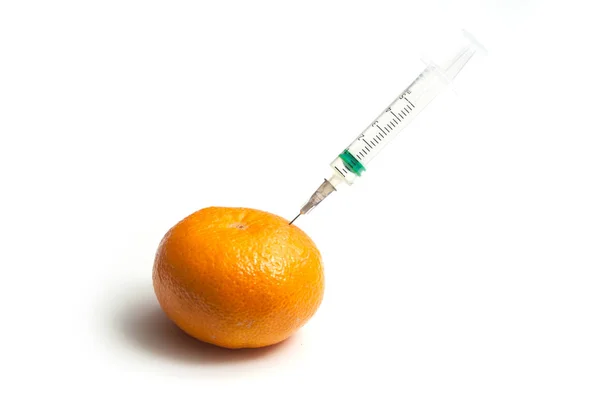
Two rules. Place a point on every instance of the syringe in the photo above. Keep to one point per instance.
(350, 164)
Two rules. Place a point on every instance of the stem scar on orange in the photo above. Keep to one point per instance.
(238, 277)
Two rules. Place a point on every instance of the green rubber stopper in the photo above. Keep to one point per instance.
(352, 163)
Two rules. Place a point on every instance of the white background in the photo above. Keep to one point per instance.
(465, 262)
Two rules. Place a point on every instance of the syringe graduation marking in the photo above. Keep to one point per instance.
(340, 171)
(398, 111)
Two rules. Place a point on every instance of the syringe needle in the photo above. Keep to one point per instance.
(327, 187)
(291, 222)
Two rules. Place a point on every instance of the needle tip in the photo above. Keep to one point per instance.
(291, 222)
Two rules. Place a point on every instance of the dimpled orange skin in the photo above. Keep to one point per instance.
(238, 277)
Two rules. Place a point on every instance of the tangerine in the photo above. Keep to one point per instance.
(238, 277)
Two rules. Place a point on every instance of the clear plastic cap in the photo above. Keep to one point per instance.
(448, 60)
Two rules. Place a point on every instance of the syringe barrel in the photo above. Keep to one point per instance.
(350, 164)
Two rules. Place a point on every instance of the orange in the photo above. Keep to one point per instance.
(237, 277)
